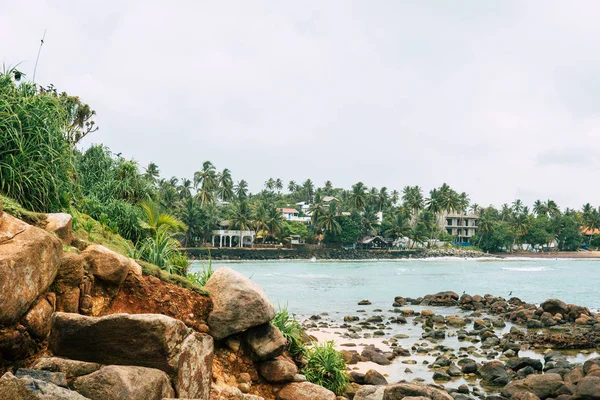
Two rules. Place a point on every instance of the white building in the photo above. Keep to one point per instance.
(233, 238)
(462, 227)
(291, 214)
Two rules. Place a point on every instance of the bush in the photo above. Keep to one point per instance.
(200, 278)
(326, 367)
(292, 331)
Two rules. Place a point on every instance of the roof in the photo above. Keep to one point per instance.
(288, 210)
(588, 231)
(367, 239)
(328, 199)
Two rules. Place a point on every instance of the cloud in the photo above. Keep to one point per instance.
(484, 96)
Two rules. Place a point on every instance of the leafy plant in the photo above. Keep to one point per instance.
(201, 277)
(291, 330)
(326, 367)
(88, 226)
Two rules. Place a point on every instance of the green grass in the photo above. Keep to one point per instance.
(326, 367)
(16, 210)
(200, 278)
(292, 331)
(153, 270)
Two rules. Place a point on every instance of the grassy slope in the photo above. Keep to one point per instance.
(99, 235)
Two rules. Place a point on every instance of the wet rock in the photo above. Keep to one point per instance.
(453, 370)
(266, 341)
(521, 362)
(373, 377)
(364, 303)
(29, 259)
(238, 303)
(591, 365)
(493, 373)
(357, 377)
(304, 391)
(117, 382)
(371, 354)
(351, 318)
(279, 370)
(441, 376)
(543, 386)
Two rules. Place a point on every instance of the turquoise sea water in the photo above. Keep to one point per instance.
(336, 287)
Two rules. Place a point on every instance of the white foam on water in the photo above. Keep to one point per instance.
(525, 269)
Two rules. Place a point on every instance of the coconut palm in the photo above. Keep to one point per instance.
(152, 172)
(225, 185)
(328, 222)
(358, 196)
(412, 197)
(278, 185)
(241, 190)
(328, 188)
(316, 210)
(308, 188)
(270, 184)
(185, 189)
(241, 216)
(292, 186)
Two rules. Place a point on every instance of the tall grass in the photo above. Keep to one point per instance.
(201, 277)
(292, 331)
(326, 367)
(36, 161)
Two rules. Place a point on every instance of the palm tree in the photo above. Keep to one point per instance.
(316, 210)
(241, 190)
(383, 198)
(185, 189)
(278, 185)
(225, 185)
(395, 197)
(328, 222)
(517, 206)
(152, 172)
(240, 218)
(358, 196)
(270, 184)
(205, 182)
(328, 188)
(308, 187)
(412, 197)
(155, 219)
(292, 186)
(191, 216)
(396, 226)
(475, 208)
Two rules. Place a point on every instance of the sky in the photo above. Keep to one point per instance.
(500, 99)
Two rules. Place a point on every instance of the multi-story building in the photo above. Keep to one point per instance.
(461, 227)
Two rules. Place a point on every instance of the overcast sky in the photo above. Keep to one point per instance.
(500, 99)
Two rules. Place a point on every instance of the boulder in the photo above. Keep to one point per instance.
(28, 388)
(66, 285)
(543, 386)
(146, 340)
(518, 363)
(56, 378)
(29, 259)
(493, 373)
(589, 388)
(373, 377)
(71, 368)
(116, 382)
(266, 341)
(304, 391)
(38, 318)
(238, 303)
(403, 390)
(279, 370)
(369, 392)
(107, 265)
(554, 306)
(62, 225)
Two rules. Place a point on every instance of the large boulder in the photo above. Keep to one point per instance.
(116, 382)
(266, 341)
(279, 370)
(146, 340)
(29, 259)
(238, 303)
(543, 386)
(28, 388)
(401, 390)
(554, 306)
(62, 225)
(107, 265)
(304, 391)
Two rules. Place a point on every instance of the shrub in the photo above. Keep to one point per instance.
(201, 277)
(326, 367)
(292, 331)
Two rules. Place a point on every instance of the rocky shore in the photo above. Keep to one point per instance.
(86, 322)
(483, 347)
(301, 253)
